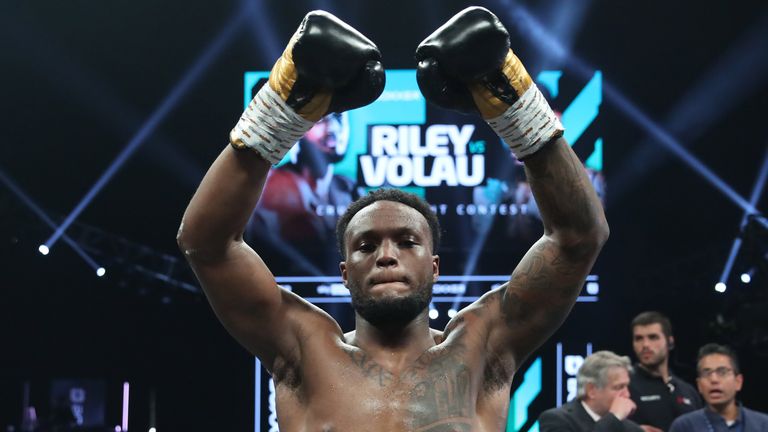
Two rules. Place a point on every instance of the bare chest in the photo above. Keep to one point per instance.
(438, 392)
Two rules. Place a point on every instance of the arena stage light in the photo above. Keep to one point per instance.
(757, 191)
(746, 277)
(27, 200)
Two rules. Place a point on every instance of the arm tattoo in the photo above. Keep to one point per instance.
(540, 281)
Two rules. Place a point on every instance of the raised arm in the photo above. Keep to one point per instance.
(466, 65)
(545, 284)
(305, 84)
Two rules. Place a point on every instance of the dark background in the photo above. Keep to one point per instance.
(79, 80)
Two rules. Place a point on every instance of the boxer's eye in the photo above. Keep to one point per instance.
(366, 247)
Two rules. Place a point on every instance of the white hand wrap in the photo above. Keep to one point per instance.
(269, 126)
(528, 124)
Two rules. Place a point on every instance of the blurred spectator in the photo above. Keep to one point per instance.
(719, 381)
(660, 396)
(602, 402)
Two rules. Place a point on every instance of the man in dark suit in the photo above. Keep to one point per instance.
(602, 402)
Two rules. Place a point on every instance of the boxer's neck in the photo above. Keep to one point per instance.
(394, 344)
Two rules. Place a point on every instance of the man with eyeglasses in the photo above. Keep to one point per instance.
(719, 380)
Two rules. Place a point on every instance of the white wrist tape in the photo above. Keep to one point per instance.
(528, 124)
(269, 126)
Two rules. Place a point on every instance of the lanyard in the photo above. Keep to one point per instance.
(739, 426)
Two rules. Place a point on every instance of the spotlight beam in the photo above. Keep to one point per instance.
(564, 19)
(171, 100)
(635, 115)
(757, 191)
(92, 92)
(263, 31)
(540, 37)
(744, 66)
(13, 187)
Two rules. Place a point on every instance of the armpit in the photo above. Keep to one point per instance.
(497, 373)
(286, 372)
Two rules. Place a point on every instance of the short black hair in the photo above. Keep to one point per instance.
(653, 317)
(388, 194)
(713, 348)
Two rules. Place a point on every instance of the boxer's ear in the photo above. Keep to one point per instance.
(343, 270)
(435, 268)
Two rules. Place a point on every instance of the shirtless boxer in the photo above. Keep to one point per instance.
(393, 373)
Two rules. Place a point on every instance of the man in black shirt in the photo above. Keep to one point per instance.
(660, 396)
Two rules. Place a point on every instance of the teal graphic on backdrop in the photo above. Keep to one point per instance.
(580, 113)
(523, 397)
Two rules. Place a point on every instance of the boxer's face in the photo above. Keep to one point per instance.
(390, 268)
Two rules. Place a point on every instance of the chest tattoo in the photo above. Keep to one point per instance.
(440, 390)
(370, 368)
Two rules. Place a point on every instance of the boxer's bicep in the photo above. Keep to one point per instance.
(248, 302)
(538, 297)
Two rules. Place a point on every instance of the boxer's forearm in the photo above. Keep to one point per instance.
(280, 113)
(569, 206)
(223, 203)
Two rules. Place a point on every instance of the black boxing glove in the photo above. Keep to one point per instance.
(466, 65)
(328, 66)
